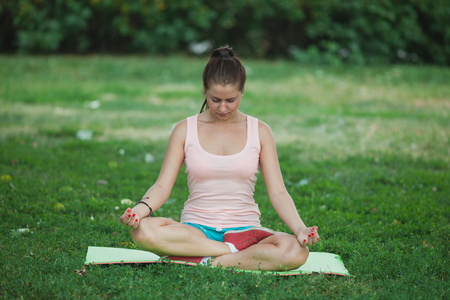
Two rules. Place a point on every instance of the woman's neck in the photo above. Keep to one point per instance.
(208, 117)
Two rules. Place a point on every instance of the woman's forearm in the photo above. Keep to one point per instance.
(155, 198)
(285, 208)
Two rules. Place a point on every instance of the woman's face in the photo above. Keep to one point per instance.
(223, 100)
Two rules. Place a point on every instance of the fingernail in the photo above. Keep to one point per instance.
(312, 233)
(128, 210)
(304, 241)
(129, 216)
(134, 215)
(137, 220)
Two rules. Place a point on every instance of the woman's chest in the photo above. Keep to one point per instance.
(223, 140)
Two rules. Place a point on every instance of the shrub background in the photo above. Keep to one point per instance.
(320, 31)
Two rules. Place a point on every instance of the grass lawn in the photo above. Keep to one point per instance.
(365, 154)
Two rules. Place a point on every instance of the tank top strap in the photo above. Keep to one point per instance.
(253, 130)
(191, 131)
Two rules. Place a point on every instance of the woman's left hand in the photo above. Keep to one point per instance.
(130, 218)
(308, 236)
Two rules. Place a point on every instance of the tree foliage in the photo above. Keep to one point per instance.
(320, 31)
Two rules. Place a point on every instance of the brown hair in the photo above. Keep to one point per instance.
(223, 68)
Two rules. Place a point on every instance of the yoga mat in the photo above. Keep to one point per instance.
(318, 262)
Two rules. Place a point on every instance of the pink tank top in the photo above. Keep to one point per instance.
(221, 187)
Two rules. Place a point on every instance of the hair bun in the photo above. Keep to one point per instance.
(223, 52)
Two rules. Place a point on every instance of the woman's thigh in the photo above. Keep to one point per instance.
(157, 224)
(167, 237)
(287, 243)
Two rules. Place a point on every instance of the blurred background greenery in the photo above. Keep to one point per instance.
(318, 32)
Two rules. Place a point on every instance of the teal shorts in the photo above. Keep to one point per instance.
(215, 234)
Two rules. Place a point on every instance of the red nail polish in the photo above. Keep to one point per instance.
(128, 210)
(304, 241)
(136, 220)
(129, 216)
(134, 215)
(312, 233)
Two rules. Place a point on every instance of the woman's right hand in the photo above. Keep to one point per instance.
(130, 218)
(309, 236)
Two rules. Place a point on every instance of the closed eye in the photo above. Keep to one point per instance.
(230, 100)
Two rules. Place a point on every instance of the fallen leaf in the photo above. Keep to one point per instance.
(84, 134)
(113, 164)
(20, 231)
(95, 104)
(427, 245)
(59, 207)
(302, 182)
(81, 272)
(149, 158)
(6, 177)
(102, 182)
(66, 189)
(126, 202)
(127, 245)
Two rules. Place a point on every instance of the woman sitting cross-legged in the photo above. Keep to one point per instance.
(223, 150)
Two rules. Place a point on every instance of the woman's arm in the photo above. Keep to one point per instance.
(161, 189)
(278, 195)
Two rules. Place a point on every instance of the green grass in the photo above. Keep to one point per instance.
(371, 143)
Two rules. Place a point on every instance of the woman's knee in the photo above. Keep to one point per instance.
(145, 234)
(295, 255)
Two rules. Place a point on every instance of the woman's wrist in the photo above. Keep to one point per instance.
(143, 203)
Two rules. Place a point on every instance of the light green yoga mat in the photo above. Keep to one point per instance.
(318, 262)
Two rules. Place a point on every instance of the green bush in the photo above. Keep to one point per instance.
(321, 31)
(378, 31)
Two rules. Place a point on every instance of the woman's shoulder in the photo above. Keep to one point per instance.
(180, 124)
(261, 124)
(265, 132)
(183, 123)
(264, 127)
(179, 129)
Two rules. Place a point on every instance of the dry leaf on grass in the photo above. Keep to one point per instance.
(427, 245)
(81, 272)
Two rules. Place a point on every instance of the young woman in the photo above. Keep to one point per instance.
(222, 149)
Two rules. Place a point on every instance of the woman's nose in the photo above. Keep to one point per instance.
(222, 106)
